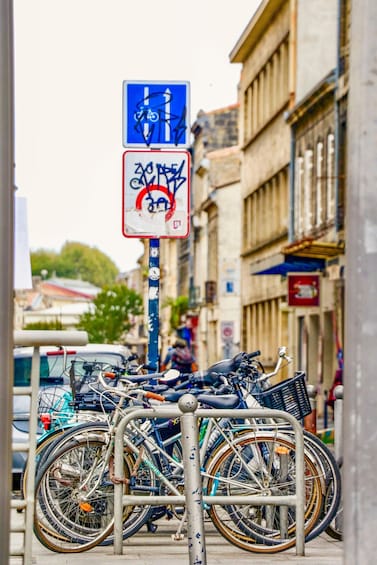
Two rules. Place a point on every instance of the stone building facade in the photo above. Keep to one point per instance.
(292, 97)
(263, 51)
(267, 196)
(205, 266)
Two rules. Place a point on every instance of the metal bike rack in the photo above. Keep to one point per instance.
(35, 338)
(193, 499)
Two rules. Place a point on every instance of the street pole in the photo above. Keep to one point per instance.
(6, 265)
(153, 303)
(360, 382)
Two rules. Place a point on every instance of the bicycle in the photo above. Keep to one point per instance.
(164, 472)
(247, 379)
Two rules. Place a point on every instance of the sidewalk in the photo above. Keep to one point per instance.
(159, 549)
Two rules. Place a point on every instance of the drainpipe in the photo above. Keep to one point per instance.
(292, 94)
(336, 116)
(292, 53)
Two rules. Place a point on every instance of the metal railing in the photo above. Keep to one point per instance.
(193, 499)
(36, 339)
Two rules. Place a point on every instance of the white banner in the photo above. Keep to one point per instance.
(22, 264)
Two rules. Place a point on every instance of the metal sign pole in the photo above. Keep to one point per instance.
(153, 302)
(156, 115)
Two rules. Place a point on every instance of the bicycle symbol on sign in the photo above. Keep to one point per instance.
(146, 113)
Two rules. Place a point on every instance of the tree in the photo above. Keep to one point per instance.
(178, 308)
(112, 315)
(76, 261)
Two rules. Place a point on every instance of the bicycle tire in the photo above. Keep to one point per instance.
(245, 526)
(335, 528)
(332, 483)
(64, 522)
(135, 517)
(330, 476)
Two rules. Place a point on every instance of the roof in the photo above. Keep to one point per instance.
(254, 30)
(89, 348)
(69, 287)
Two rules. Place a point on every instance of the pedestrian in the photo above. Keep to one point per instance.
(179, 357)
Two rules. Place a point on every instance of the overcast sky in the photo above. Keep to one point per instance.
(71, 58)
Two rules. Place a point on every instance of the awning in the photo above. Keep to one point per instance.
(311, 248)
(281, 264)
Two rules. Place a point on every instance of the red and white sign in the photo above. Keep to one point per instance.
(156, 194)
(303, 289)
(227, 331)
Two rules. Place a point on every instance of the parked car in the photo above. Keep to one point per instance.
(55, 363)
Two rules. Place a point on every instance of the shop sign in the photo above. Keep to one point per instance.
(303, 289)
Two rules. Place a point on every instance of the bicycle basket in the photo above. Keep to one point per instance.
(95, 401)
(290, 395)
(87, 392)
(52, 399)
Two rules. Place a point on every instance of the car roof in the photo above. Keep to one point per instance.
(71, 350)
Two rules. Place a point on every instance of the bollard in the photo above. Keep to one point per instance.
(338, 422)
(193, 487)
(310, 421)
(325, 410)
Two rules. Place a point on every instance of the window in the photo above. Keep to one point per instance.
(319, 184)
(267, 92)
(266, 211)
(308, 183)
(330, 188)
(299, 212)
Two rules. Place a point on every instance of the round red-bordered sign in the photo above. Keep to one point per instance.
(160, 188)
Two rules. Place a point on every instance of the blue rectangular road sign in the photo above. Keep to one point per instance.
(156, 114)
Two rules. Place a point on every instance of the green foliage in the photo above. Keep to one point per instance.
(114, 309)
(76, 261)
(44, 260)
(55, 325)
(178, 308)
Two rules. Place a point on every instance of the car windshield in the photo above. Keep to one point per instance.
(54, 368)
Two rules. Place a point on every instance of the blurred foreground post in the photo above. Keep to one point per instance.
(360, 384)
(6, 266)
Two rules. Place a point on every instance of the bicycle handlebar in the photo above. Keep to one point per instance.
(253, 354)
(282, 356)
(131, 387)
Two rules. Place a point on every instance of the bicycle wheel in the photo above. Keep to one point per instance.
(41, 449)
(78, 432)
(50, 441)
(335, 527)
(329, 472)
(74, 499)
(260, 464)
(74, 495)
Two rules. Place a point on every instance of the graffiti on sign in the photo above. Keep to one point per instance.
(156, 114)
(156, 193)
